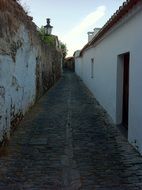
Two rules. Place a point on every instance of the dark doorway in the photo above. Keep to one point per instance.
(126, 59)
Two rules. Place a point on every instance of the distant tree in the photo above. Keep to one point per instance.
(64, 49)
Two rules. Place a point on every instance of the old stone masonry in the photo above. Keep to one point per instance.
(66, 142)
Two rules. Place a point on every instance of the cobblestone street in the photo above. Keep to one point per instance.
(66, 142)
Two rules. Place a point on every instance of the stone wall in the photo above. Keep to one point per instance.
(28, 67)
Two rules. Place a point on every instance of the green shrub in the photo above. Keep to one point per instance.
(48, 39)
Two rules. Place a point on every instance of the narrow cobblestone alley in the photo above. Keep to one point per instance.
(67, 143)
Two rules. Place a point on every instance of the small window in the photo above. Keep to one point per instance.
(92, 68)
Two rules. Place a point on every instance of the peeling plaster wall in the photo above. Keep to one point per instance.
(17, 79)
(28, 68)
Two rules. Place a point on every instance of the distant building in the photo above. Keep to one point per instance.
(110, 64)
(69, 63)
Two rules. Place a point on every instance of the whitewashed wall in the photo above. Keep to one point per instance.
(28, 65)
(78, 66)
(17, 81)
(125, 37)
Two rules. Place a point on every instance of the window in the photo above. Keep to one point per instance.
(92, 68)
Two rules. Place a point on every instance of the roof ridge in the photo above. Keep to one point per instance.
(119, 14)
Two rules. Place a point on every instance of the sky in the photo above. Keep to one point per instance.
(71, 20)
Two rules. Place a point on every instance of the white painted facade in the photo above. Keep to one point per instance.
(107, 82)
(78, 63)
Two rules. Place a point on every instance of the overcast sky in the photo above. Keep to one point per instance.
(71, 20)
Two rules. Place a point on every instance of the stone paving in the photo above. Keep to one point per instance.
(66, 142)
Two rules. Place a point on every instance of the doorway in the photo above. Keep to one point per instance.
(122, 92)
(125, 107)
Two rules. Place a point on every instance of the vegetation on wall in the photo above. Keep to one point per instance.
(9, 24)
(24, 6)
(49, 39)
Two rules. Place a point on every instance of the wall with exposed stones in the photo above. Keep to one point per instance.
(28, 67)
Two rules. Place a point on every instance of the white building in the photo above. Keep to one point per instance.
(111, 67)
